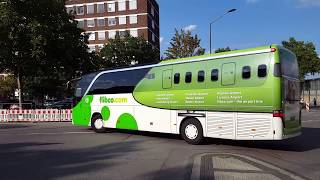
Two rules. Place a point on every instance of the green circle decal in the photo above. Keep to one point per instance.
(127, 121)
(105, 112)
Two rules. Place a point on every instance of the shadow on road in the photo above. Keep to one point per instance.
(308, 140)
(46, 161)
(12, 126)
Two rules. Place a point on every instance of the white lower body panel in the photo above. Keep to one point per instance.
(243, 126)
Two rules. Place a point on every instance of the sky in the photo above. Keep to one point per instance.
(255, 23)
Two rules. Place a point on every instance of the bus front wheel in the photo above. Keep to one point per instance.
(191, 131)
(97, 124)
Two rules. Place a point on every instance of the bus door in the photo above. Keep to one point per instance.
(228, 74)
(166, 79)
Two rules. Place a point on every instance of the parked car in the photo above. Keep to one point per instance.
(64, 104)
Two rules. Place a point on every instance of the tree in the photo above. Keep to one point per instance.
(219, 50)
(184, 44)
(306, 54)
(127, 51)
(7, 87)
(41, 42)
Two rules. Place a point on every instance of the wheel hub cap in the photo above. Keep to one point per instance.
(98, 124)
(191, 131)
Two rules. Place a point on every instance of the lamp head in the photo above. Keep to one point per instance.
(231, 10)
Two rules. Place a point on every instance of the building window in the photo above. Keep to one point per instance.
(112, 34)
(201, 76)
(111, 7)
(133, 19)
(152, 11)
(214, 75)
(101, 35)
(134, 32)
(153, 24)
(122, 33)
(121, 5)
(80, 24)
(90, 8)
(132, 4)
(101, 22)
(188, 77)
(100, 46)
(122, 20)
(80, 10)
(90, 23)
(100, 8)
(92, 36)
(176, 78)
(246, 72)
(153, 38)
(92, 48)
(71, 10)
(262, 71)
(112, 21)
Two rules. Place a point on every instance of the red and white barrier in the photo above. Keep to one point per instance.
(3, 115)
(35, 115)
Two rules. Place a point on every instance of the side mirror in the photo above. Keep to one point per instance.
(78, 92)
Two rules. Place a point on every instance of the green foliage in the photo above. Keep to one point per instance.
(40, 42)
(126, 51)
(8, 85)
(306, 54)
(184, 44)
(223, 50)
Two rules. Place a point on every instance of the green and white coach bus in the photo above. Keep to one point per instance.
(248, 94)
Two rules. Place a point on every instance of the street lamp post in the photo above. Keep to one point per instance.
(218, 18)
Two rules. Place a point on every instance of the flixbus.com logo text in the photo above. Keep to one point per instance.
(104, 99)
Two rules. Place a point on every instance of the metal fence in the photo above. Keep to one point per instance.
(311, 92)
(35, 115)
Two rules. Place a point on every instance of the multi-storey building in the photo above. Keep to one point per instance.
(103, 19)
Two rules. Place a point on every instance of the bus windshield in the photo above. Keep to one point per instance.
(83, 84)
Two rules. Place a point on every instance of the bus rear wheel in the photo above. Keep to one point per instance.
(97, 124)
(191, 131)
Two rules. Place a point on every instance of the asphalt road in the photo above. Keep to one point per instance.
(61, 151)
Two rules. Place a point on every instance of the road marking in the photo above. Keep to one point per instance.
(60, 133)
(230, 166)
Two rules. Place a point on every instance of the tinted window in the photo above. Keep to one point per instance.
(246, 72)
(262, 70)
(201, 76)
(289, 64)
(118, 82)
(214, 75)
(188, 77)
(177, 78)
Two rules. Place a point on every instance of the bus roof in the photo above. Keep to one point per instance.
(221, 54)
(234, 53)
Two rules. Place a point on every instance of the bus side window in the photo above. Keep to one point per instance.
(214, 75)
(246, 72)
(188, 77)
(201, 75)
(176, 78)
(262, 70)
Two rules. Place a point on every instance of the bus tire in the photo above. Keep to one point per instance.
(191, 131)
(97, 124)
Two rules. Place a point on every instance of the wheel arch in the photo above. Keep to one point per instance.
(93, 115)
(185, 119)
